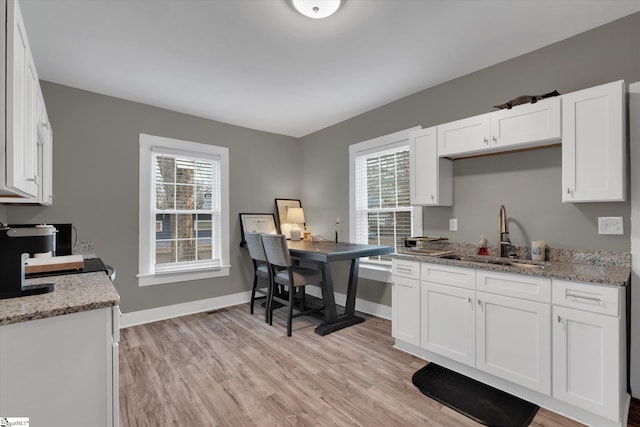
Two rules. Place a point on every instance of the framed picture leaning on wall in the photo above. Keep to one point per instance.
(257, 223)
(282, 206)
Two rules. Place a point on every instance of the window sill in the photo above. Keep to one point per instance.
(378, 272)
(182, 276)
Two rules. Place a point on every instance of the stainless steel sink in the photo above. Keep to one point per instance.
(528, 265)
(497, 261)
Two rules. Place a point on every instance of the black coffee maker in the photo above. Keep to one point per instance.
(14, 244)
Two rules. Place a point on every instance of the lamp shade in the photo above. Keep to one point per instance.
(295, 215)
(316, 9)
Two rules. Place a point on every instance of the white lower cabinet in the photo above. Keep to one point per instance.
(505, 336)
(406, 322)
(585, 370)
(405, 301)
(513, 340)
(557, 343)
(448, 322)
(64, 369)
(589, 357)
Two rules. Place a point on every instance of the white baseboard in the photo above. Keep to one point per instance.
(176, 310)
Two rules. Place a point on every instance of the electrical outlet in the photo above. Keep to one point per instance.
(453, 224)
(610, 225)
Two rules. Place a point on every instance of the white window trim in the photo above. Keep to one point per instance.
(379, 271)
(146, 228)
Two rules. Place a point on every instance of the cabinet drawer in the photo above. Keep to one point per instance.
(446, 275)
(514, 285)
(403, 268)
(587, 297)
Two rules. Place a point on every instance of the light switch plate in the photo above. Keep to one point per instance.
(610, 225)
(453, 224)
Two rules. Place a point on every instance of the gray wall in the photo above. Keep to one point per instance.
(96, 184)
(527, 183)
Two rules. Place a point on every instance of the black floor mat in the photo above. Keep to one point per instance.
(478, 401)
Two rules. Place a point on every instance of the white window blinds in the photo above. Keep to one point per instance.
(186, 211)
(383, 213)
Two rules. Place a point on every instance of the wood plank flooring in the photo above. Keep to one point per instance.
(229, 368)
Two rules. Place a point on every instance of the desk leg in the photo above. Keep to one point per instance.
(350, 306)
(348, 318)
(330, 313)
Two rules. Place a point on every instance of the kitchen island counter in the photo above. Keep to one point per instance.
(73, 293)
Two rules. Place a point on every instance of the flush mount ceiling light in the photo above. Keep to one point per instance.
(316, 9)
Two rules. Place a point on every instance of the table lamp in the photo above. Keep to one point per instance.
(295, 216)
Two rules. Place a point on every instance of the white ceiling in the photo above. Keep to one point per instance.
(259, 64)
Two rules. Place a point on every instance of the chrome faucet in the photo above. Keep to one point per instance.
(504, 244)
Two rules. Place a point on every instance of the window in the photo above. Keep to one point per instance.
(184, 218)
(380, 212)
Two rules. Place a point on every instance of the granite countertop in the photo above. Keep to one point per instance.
(612, 275)
(73, 293)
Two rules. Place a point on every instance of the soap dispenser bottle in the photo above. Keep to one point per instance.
(482, 246)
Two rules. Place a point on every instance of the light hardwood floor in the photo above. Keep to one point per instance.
(229, 368)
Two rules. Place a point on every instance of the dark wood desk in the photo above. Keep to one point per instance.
(324, 252)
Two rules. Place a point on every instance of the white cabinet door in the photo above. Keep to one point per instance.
(526, 125)
(405, 310)
(586, 362)
(21, 91)
(113, 417)
(58, 371)
(431, 176)
(46, 167)
(593, 144)
(448, 322)
(466, 136)
(513, 340)
(44, 159)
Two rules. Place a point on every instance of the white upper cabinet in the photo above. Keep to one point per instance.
(431, 177)
(594, 144)
(524, 126)
(21, 87)
(465, 136)
(27, 138)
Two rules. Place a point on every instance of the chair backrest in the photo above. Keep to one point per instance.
(276, 249)
(254, 244)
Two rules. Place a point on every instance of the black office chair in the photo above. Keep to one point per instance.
(291, 277)
(261, 271)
